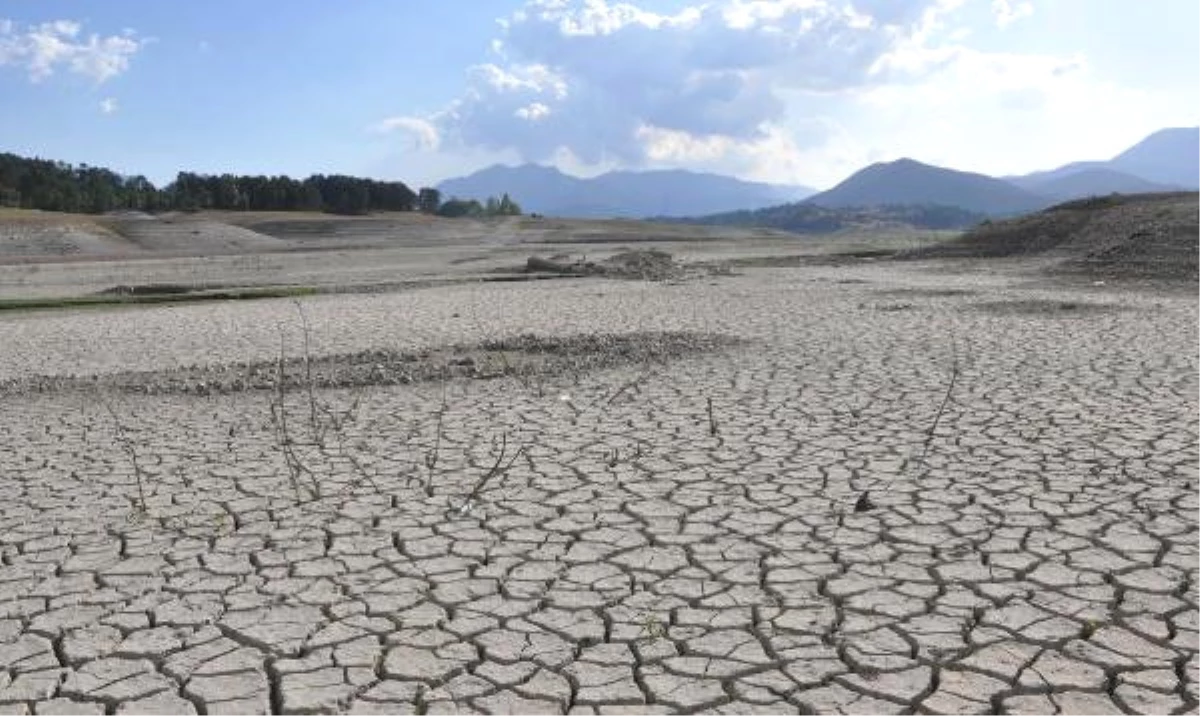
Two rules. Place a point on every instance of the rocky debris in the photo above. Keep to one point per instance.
(524, 355)
(643, 264)
(1139, 236)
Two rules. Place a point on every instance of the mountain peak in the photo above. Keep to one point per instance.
(1168, 156)
(908, 181)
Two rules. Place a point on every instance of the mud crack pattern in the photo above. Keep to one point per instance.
(641, 550)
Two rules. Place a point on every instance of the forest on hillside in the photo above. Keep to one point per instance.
(807, 218)
(58, 186)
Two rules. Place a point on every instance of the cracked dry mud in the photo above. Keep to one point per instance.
(639, 554)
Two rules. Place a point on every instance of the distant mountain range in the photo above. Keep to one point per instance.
(546, 190)
(1167, 160)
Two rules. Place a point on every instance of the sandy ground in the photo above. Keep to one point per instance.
(54, 255)
(649, 537)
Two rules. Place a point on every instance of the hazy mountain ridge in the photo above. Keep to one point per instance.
(1092, 181)
(1166, 160)
(936, 197)
(1169, 156)
(625, 194)
(907, 181)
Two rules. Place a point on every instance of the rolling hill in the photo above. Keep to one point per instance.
(1091, 181)
(906, 181)
(624, 194)
(1168, 159)
(1169, 156)
(806, 218)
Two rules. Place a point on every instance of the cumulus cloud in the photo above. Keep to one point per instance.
(533, 112)
(776, 90)
(1007, 12)
(422, 132)
(108, 105)
(612, 82)
(45, 48)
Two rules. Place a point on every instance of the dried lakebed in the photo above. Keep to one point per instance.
(527, 357)
(649, 536)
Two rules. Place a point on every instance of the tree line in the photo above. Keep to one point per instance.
(807, 218)
(430, 200)
(58, 186)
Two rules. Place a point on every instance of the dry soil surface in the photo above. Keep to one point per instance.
(1154, 236)
(884, 490)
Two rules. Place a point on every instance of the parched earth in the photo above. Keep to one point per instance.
(896, 492)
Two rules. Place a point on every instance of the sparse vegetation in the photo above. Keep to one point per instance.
(804, 218)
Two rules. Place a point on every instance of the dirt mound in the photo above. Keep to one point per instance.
(193, 235)
(31, 235)
(1136, 236)
(34, 235)
(652, 264)
(648, 265)
(522, 356)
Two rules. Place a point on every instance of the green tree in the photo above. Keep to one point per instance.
(457, 208)
(508, 207)
(429, 199)
(58, 186)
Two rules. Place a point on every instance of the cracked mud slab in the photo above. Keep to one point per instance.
(607, 542)
(528, 357)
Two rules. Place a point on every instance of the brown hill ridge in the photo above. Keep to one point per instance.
(1152, 236)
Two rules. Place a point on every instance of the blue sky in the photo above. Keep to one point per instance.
(794, 91)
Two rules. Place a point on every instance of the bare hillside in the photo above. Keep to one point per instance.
(1138, 235)
(32, 234)
(37, 237)
(182, 233)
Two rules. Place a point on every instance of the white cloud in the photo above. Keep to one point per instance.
(535, 78)
(47, 47)
(777, 156)
(423, 133)
(108, 105)
(746, 14)
(1007, 12)
(788, 90)
(1001, 113)
(533, 112)
(596, 17)
(609, 81)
